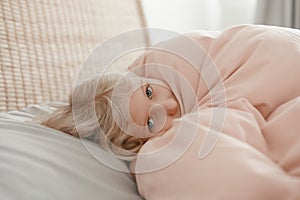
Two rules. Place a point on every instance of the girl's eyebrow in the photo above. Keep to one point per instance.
(143, 89)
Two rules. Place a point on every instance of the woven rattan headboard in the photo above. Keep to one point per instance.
(42, 44)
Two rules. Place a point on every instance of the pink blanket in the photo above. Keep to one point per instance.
(239, 137)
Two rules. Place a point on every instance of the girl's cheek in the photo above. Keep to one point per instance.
(159, 116)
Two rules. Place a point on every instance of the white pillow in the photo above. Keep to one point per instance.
(41, 163)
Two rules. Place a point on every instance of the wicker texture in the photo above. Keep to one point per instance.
(43, 43)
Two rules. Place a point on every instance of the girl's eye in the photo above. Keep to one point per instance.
(149, 92)
(150, 124)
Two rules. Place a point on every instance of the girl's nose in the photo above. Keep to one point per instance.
(163, 113)
(171, 106)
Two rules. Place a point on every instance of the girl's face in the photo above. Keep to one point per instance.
(152, 107)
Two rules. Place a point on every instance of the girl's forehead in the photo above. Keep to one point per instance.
(130, 82)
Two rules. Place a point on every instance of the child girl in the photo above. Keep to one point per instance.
(233, 95)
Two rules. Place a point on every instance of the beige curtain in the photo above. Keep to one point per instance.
(278, 12)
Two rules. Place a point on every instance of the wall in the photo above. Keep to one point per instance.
(186, 15)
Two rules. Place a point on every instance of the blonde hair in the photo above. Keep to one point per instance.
(91, 111)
